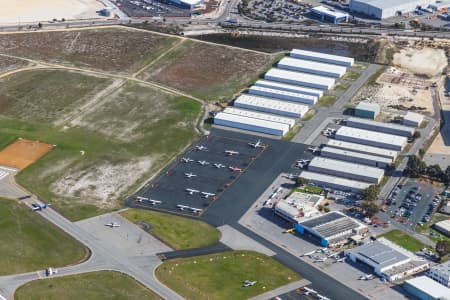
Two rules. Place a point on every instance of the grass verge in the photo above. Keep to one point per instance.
(404, 240)
(88, 286)
(326, 100)
(351, 75)
(220, 276)
(293, 132)
(177, 232)
(30, 243)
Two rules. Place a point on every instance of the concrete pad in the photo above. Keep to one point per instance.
(281, 290)
(238, 241)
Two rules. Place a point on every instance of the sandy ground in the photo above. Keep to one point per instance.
(23, 153)
(27, 11)
(427, 61)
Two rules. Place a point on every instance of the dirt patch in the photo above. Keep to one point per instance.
(23, 153)
(427, 61)
(8, 64)
(101, 183)
(438, 146)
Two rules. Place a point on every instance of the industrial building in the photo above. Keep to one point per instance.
(391, 154)
(412, 119)
(288, 88)
(443, 227)
(371, 138)
(312, 67)
(303, 79)
(326, 14)
(333, 182)
(273, 106)
(282, 95)
(332, 229)
(441, 273)
(387, 260)
(259, 115)
(424, 288)
(346, 169)
(322, 57)
(382, 9)
(298, 206)
(190, 4)
(251, 124)
(389, 128)
(356, 157)
(367, 110)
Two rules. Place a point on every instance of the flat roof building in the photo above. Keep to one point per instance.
(382, 9)
(322, 57)
(282, 95)
(346, 169)
(389, 128)
(326, 14)
(367, 110)
(251, 124)
(273, 106)
(312, 67)
(302, 79)
(371, 138)
(412, 119)
(391, 154)
(443, 227)
(333, 182)
(331, 229)
(260, 115)
(298, 206)
(289, 87)
(441, 273)
(387, 260)
(356, 157)
(424, 288)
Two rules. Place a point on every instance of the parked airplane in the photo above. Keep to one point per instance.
(192, 191)
(50, 271)
(189, 175)
(235, 169)
(248, 283)
(258, 144)
(203, 162)
(36, 206)
(308, 291)
(291, 176)
(308, 253)
(342, 259)
(182, 207)
(314, 149)
(200, 148)
(193, 209)
(186, 159)
(112, 224)
(196, 210)
(366, 277)
(218, 166)
(231, 152)
(322, 297)
(140, 199)
(207, 195)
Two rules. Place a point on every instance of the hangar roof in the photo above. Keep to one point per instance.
(380, 254)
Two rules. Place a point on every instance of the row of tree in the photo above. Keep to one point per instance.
(370, 196)
(416, 167)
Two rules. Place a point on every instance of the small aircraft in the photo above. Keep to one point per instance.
(322, 297)
(366, 277)
(291, 176)
(189, 175)
(200, 148)
(203, 162)
(182, 207)
(289, 230)
(231, 152)
(235, 169)
(192, 191)
(36, 206)
(195, 210)
(218, 166)
(207, 195)
(112, 224)
(140, 199)
(314, 149)
(342, 259)
(186, 159)
(248, 283)
(308, 291)
(257, 144)
(50, 271)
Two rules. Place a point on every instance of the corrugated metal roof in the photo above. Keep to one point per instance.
(383, 4)
(380, 254)
(443, 269)
(259, 115)
(353, 184)
(301, 77)
(362, 148)
(272, 103)
(252, 121)
(347, 167)
(368, 106)
(372, 136)
(356, 154)
(430, 287)
(413, 117)
(329, 11)
(313, 54)
(289, 87)
(311, 65)
(382, 125)
(308, 98)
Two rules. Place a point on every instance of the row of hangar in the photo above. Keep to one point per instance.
(273, 105)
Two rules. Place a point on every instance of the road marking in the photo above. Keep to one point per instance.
(8, 169)
(3, 174)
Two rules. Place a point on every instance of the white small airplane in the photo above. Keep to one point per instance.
(207, 195)
(366, 277)
(154, 202)
(186, 159)
(235, 169)
(291, 176)
(314, 149)
(320, 297)
(308, 291)
(308, 253)
(182, 207)
(195, 210)
(192, 191)
(231, 152)
(50, 271)
(258, 144)
(112, 224)
(342, 259)
(189, 175)
(36, 206)
(203, 162)
(218, 166)
(200, 148)
(140, 199)
(248, 283)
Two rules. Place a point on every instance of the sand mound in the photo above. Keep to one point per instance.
(429, 62)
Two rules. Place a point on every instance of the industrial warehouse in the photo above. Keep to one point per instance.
(303, 79)
(283, 95)
(351, 156)
(382, 9)
(391, 154)
(338, 183)
(273, 106)
(288, 87)
(389, 128)
(298, 206)
(371, 138)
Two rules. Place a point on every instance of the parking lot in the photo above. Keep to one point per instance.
(139, 8)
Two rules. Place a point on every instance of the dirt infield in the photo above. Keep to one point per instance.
(23, 153)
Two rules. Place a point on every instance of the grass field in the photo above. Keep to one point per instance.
(110, 49)
(326, 100)
(208, 71)
(177, 232)
(220, 276)
(29, 243)
(102, 153)
(406, 241)
(351, 75)
(88, 286)
(427, 228)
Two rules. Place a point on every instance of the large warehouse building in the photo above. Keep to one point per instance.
(356, 157)
(260, 115)
(298, 206)
(441, 273)
(272, 106)
(371, 138)
(312, 67)
(332, 229)
(345, 169)
(389, 128)
(297, 78)
(391, 154)
(322, 57)
(333, 182)
(246, 123)
(382, 9)
(288, 87)
(283, 95)
(424, 288)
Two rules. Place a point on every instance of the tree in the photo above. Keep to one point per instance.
(301, 181)
(370, 208)
(434, 171)
(371, 193)
(415, 166)
(443, 247)
(416, 135)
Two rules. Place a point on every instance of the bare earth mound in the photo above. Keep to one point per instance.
(429, 62)
(23, 153)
